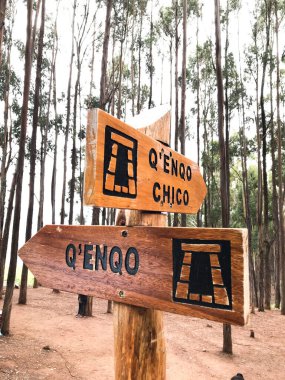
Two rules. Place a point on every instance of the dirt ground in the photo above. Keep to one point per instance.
(47, 341)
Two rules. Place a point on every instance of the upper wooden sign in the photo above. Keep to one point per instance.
(192, 271)
(127, 169)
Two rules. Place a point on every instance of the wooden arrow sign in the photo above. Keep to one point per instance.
(127, 169)
(192, 271)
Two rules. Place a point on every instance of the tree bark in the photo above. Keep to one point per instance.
(139, 65)
(265, 243)
(182, 133)
(5, 236)
(281, 231)
(33, 154)
(3, 4)
(176, 132)
(54, 167)
(151, 67)
(7, 307)
(227, 339)
(68, 109)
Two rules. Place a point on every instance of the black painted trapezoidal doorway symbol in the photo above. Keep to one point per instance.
(202, 273)
(120, 164)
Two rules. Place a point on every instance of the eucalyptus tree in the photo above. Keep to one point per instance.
(280, 175)
(81, 46)
(224, 179)
(33, 151)
(57, 117)
(10, 84)
(68, 114)
(3, 4)
(7, 306)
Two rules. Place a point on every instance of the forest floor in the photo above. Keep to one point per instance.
(47, 341)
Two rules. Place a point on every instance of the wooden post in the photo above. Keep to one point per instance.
(138, 332)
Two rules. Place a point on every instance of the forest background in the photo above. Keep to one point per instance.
(219, 66)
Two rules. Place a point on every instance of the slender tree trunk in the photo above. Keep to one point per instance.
(182, 133)
(227, 111)
(198, 120)
(92, 60)
(68, 109)
(227, 343)
(151, 68)
(176, 133)
(7, 307)
(119, 108)
(133, 66)
(102, 103)
(248, 217)
(104, 61)
(139, 65)
(3, 4)
(54, 167)
(33, 153)
(103, 82)
(6, 157)
(5, 236)
(265, 242)
(280, 177)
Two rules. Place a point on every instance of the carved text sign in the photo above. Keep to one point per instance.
(127, 169)
(199, 272)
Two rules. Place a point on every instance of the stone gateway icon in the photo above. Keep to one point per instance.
(120, 164)
(202, 273)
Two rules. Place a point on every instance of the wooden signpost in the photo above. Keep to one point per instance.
(199, 272)
(127, 169)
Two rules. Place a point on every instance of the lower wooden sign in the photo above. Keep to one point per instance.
(202, 272)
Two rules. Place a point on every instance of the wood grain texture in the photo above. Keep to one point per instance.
(139, 341)
(172, 183)
(152, 285)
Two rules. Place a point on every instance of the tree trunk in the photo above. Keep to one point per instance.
(227, 113)
(104, 61)
(227, 343)
(281, 231)
(176, 133)
(182, 133)
(5, 236)
(54, 167)
(265, 243)
(68, 109)
(3, 4)
(198, 120)
(139, 65)
(6, 134)
(7, 307)
(33, 154)
(151, 68)
(248, 217)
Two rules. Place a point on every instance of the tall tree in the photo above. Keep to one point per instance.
(182, 129)
(280, 176)
(3, 4)
(68, 112)
(80, 54)
(265, 249)
(33, 153)
(7, 307)
(56, 117)
(227, 344)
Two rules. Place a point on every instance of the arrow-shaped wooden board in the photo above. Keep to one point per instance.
(192, 271)
(127, 169)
